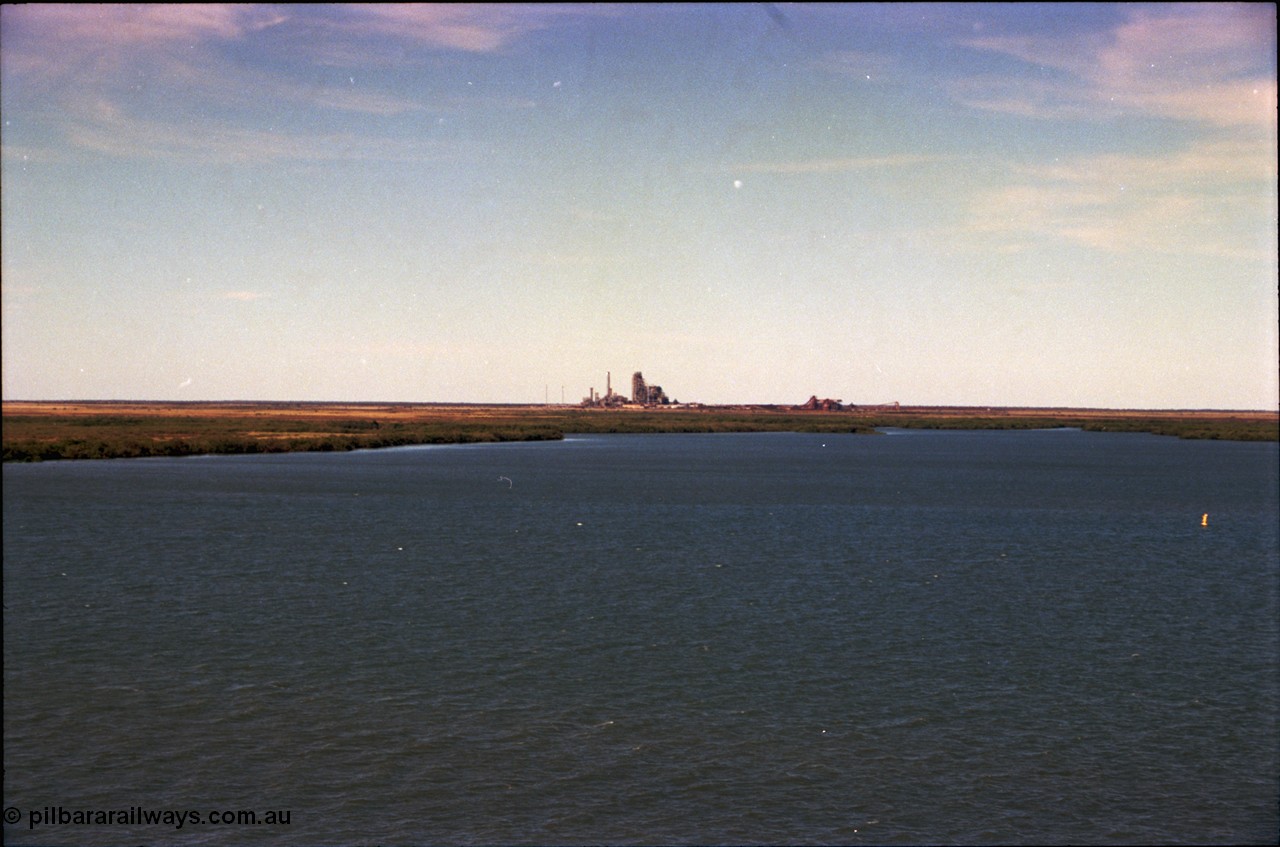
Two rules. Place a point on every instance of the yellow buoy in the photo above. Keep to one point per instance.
(1204, 519)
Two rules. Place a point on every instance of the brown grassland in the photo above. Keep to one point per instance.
(36, 431)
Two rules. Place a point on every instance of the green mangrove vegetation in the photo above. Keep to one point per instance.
(176, 430)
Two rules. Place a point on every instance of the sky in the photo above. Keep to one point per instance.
(931, 204)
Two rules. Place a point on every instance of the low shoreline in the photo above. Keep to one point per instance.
(49, 430)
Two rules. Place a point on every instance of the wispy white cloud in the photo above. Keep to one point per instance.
(359, 100)
(470, 28)
(23, 153)
(1205, 63)
(98, 74)
(1185, 202)
(1033, 98)
(465, 27)
(119, 24)
(1208, 164)
(832, 165)
(107, 129)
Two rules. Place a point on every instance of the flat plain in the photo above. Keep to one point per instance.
(46, 430)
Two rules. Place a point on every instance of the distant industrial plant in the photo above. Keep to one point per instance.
(813, 404)
(642, 394)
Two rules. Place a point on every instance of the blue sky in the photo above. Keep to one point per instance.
(1009, 204)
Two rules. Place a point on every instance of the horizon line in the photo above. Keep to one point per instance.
(849, 406)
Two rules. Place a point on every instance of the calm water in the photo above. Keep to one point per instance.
(944, 637)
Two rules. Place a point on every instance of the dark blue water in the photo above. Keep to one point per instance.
(943, 637)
